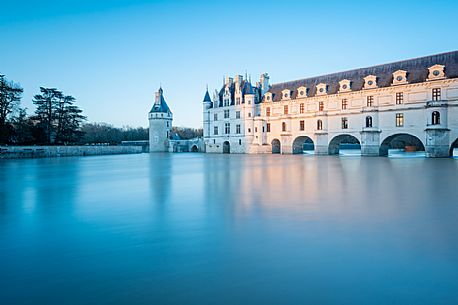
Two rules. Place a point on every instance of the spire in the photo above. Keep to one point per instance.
(207, 98)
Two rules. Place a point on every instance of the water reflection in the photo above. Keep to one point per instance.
(228, 229)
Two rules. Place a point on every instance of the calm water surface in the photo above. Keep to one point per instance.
(219, 229)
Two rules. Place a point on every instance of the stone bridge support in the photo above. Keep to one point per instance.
(321, 145)
(370, 142)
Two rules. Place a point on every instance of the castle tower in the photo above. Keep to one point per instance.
(207, 104)
(160, 124)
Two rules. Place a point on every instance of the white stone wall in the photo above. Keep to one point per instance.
(417, 109)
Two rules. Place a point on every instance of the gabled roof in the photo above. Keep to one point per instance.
(417, 71)
(159, 104)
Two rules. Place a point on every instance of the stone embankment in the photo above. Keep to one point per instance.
(18, 152)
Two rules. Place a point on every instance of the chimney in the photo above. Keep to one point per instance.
(264, 83)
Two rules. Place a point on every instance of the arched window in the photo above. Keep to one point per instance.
(435, 118)
(319, 125)
(283, 126)
(368, 121)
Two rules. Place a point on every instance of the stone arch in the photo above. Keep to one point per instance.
(276, 146)
(194, 148)
(401, 141)
(226, 147)
(300, 142)
(334, 144)
(453, 146)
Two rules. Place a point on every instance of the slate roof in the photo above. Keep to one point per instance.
(417, 71)
(246, 87)
(160, 105)
(207, 97)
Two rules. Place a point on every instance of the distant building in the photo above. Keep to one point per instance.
(411, 104)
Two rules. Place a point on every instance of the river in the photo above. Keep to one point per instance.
(228, 229)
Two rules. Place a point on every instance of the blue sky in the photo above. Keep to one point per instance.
(112, 55)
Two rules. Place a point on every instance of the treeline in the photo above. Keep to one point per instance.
(102, 133)
(56, 121)
(187, 133)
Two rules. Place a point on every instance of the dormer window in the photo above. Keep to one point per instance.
(268, 96)
(321, 89)
(286, 94)
(436, 72)
(370, 82)
(400, 77)
(345, 85)
(302, 92)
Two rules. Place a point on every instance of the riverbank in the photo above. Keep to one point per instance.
(20, 152)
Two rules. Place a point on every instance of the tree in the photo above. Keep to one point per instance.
(10, 97)
(58, 117)
(23, 128)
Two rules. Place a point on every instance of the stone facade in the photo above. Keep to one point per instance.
(411, 105)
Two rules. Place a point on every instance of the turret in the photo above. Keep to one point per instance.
(207, 104)
(160, 124)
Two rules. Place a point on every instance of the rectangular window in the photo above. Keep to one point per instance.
(249, 114)
(399, 119)
(215, 130)
(436, 94)
(344, 104)
(237, 101)
(399, 98)
(268, 127)
(226, 114)
(301, 108)
(256, 129)
(320, 106)
(237, 129)
(302, 125)
(268, 111)
(226, 102)
(227, 128)
(344, 123)
(283, 126)
(370, 101)
(237, 114)
(215, 117)
(285, 109)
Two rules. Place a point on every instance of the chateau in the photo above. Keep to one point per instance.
(411, 105)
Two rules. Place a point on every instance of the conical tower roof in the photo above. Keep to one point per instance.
(159, 103)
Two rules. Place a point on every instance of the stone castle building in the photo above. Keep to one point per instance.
(410, 104)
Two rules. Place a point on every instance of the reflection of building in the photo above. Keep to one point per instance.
(411, 104)
(160, 130)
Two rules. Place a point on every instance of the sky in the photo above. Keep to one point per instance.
(113, 55)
